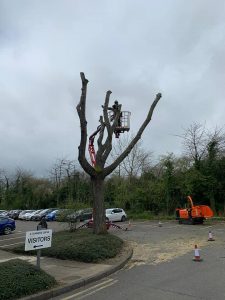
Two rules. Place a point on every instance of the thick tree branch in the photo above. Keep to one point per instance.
(101, 132)
(105, 111)
(113, 166)
(110, 130)
(99, 142)
(81, 110)
(108, 142)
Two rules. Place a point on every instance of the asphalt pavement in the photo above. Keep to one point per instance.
(161, 266)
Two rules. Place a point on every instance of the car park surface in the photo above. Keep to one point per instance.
(161, 266)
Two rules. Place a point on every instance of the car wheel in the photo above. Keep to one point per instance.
(123, 219)
(7, 230)
(107, 219)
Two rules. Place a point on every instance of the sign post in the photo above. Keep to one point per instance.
(37, 240)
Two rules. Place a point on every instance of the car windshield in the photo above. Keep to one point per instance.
(24, 212)
(43, 211)
(37, 211)
(53, 212)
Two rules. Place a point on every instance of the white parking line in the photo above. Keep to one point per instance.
(206, 227)
(11, 244)
(14, 233)
(7, 239)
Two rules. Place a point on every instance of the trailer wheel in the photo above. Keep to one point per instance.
(180, 221)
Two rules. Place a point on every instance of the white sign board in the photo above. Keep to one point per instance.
(39, 239)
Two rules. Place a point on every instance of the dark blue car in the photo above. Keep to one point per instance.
(7, 225)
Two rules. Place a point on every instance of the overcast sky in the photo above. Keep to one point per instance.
(135, 48)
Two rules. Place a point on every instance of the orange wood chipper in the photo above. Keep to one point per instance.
(193, 214)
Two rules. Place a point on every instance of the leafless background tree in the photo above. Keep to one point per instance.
(136, 162)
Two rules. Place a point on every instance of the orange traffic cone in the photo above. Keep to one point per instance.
(128, 227)
(210, 239)
(197, 254)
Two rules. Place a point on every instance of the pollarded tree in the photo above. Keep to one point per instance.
(99, 171)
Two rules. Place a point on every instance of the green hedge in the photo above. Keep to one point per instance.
(81, 245)
(19, 278)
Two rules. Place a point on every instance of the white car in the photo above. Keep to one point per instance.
(115, 214)
(28, 215)
(23, 216)
(23, 212)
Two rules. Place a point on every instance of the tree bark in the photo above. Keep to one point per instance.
(98, 172)
(98, 207)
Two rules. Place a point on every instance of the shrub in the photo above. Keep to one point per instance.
(19, 278)
(81, 245)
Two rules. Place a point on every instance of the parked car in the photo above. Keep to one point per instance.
(3, 213)
(115, 214)
(37, 212)
(51, 216)
(81, 215)
(29, 215)
(27, 212)
(7, 225)
(42, 214)
(23, 212)
(14, 214)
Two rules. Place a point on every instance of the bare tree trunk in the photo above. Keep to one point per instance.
(98, 172)
(98, 201)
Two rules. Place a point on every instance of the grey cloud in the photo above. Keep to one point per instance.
(134, 48)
